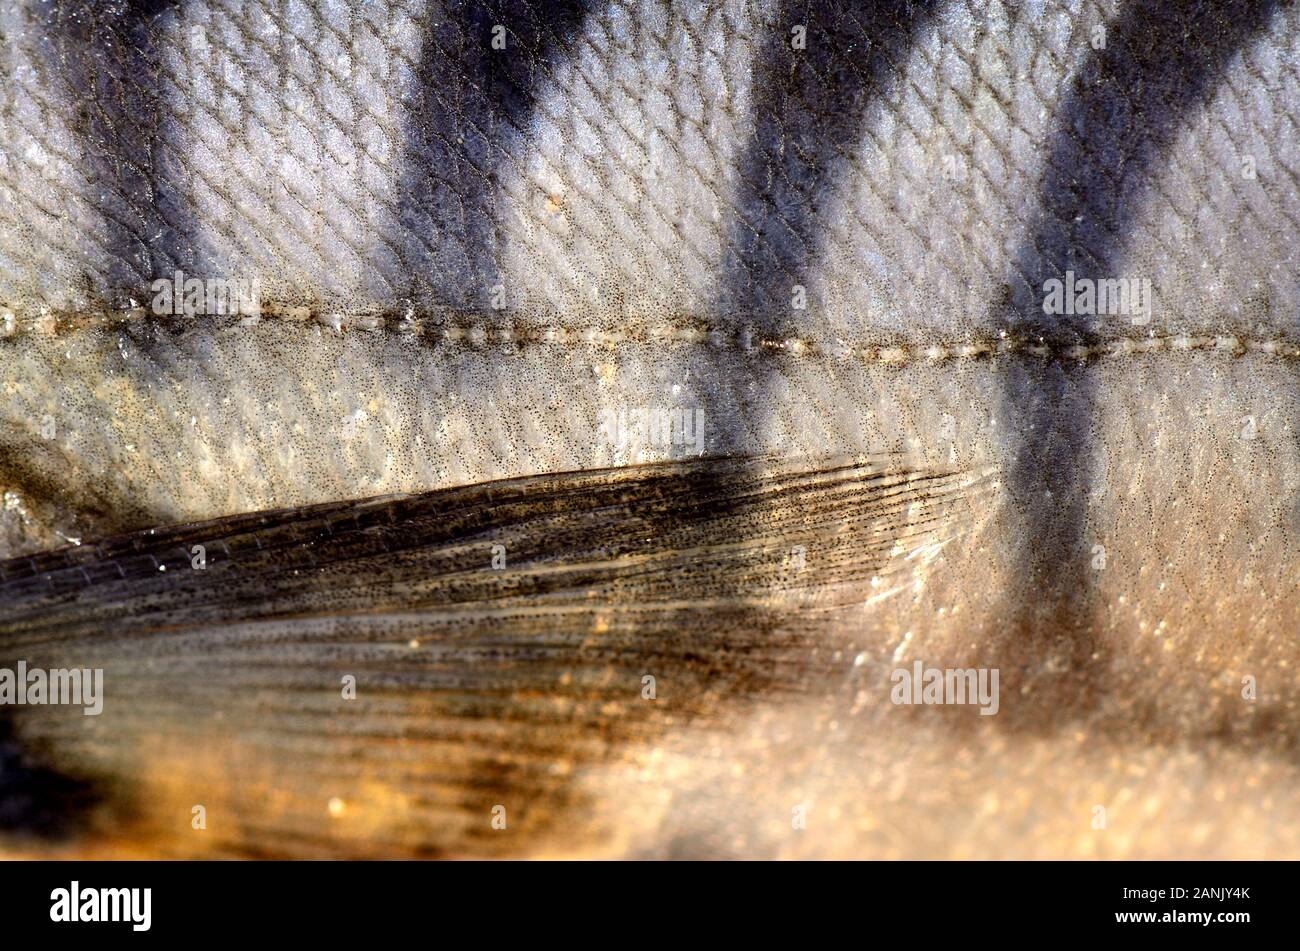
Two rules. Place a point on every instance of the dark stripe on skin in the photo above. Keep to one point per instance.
(809, 108)
(1160, 65)
(110, 60)
(472, 100)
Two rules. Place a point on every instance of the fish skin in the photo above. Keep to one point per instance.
(620, 221)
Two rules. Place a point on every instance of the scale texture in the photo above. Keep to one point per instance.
(483, 230)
